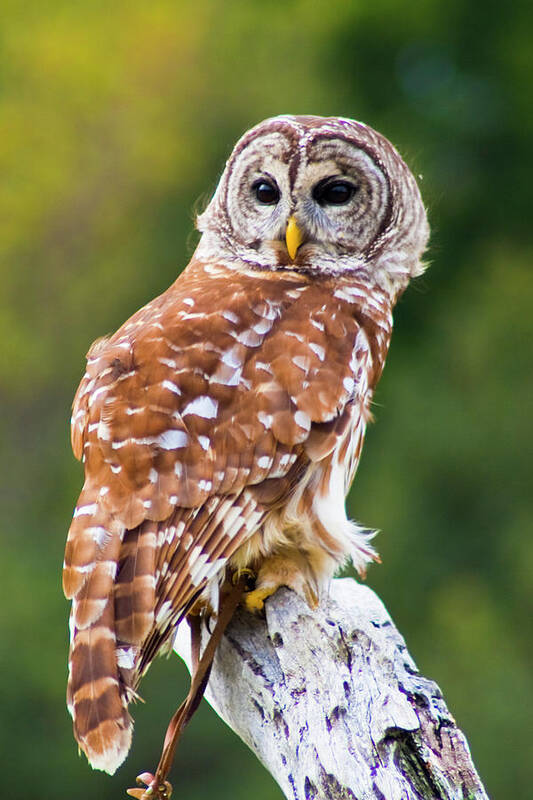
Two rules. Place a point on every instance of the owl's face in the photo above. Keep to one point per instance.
(317, 194)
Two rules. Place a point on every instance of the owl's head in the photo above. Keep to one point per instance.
(318, 194)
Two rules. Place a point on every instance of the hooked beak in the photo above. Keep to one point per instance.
(293, 237)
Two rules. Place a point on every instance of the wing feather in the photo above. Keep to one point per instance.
(193, 420)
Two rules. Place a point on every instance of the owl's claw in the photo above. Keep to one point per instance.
(279, 571)
(248, 575)
(151, 791)
(255, 601)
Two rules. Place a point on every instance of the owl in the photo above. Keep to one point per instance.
(221, 426)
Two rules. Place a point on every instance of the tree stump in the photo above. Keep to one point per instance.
(333, 705)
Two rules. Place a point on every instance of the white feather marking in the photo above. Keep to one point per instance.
(110, 567)
(99, 534)
(172, 440)
(262, 327)
(203, 406)
(164, 613)
(266, 310)
(104, 431)
(294, 294)
(371, 301)
(197, 562)
(227, 375)
(302, 362)
(288, 458)
(167, 362)
(85, 511)
(123, 443)
(214, 567)
(265, 419)
(82, 569)
(348, 384)
(317, 324)
(264, 366)
(303, 420)
(232, 515)
(318, 349)
(301, 338)
(125, 657)
(232, 356)
(347, 294)
(183, 315)
(249, 338)
(166, 384)
(98, 392)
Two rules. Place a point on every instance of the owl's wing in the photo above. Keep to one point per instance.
(193, 420)
(215, 386)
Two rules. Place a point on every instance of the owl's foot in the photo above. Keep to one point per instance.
(283, 570)
(152, 790)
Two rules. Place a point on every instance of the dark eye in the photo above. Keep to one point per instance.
(265, 192)
(333, 193)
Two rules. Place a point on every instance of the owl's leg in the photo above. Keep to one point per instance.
(289, 568)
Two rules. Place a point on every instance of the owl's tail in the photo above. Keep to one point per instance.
(97, 559)
(96, 697)
(109, 574)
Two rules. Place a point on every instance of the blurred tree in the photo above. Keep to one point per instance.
(116, 121)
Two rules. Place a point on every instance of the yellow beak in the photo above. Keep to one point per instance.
(293, 237)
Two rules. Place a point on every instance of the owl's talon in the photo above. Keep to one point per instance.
(151, 791)
(311, 597)
(249, 575)
(282, 570)
(255, 601)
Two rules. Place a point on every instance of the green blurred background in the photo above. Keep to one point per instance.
(116, 119)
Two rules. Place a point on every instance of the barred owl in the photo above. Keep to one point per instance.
(221, 426)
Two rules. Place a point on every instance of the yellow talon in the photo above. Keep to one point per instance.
(255, 601)
(244, 572)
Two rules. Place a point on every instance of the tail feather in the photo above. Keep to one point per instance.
(112, 613)
(96, 698)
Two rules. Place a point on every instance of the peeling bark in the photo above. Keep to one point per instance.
(332, 704)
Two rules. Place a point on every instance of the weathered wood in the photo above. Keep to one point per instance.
(332, 704)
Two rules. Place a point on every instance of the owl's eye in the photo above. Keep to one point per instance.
(333, 193)
(265, 192)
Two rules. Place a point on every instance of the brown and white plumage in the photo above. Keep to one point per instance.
(221, 426)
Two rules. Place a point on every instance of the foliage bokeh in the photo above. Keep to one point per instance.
(116, 121)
